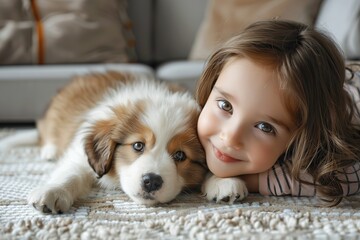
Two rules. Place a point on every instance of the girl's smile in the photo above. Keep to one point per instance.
(224, 157)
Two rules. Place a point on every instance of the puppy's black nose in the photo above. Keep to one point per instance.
(151, 182)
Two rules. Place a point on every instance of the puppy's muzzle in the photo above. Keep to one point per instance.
(151, 182)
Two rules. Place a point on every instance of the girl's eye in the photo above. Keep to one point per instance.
(179, 156)
(225, 105)
(265, 127)
(139, 146)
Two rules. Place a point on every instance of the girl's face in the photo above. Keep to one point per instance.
(244, 126)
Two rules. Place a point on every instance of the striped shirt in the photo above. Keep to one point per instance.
(278, 181)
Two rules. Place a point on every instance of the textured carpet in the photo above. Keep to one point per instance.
(108, 214)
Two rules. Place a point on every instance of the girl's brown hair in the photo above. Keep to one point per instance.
(311, 74)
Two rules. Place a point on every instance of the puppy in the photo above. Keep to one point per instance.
(119, 130)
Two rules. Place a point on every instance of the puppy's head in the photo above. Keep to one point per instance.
(150, 148)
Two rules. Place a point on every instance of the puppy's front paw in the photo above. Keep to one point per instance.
(224, 189)
(48, 152)
(51, 200)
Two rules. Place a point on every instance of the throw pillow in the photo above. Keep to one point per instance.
(225, 18)
(62, 32)
(342, 22)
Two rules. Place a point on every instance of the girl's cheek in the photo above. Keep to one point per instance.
(205, 118)
(202, 125)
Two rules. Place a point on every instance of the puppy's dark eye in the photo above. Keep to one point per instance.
(139, 146)
(179, 156)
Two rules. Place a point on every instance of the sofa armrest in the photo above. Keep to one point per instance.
(26, 91)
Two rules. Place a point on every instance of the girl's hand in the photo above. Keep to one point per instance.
(252, 182)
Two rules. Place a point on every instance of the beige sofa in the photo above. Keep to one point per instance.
(168, 39)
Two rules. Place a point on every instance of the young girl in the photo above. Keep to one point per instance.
(276, 112)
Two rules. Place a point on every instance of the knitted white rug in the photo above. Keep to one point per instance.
(112, 215)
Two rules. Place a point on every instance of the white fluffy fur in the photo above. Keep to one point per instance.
(217, 189)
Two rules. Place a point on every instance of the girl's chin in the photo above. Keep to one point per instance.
(220, 170)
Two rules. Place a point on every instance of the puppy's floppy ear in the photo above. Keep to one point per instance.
(99, 146)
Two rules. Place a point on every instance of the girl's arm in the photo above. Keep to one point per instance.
(350, 179)
(277, 181)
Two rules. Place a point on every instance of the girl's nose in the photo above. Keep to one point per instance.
(232, 136)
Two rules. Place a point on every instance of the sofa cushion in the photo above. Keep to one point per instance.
(225, 18)
(175, 25)
(141, 15)
(185, 73)
(81, 31)
(342, 22)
